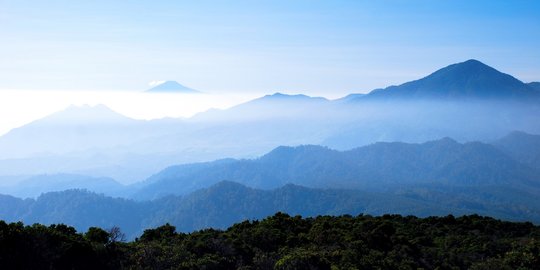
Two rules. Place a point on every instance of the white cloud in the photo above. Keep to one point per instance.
(155, 83)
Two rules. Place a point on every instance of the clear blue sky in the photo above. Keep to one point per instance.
(309, 46)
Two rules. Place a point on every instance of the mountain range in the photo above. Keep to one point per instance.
(98, 142)
(457, 141)
(433, 178)
(218, 206)
(226, 203)
(380, 166)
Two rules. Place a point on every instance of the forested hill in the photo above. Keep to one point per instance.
(379, 166)
(283, 242)
(226, 203)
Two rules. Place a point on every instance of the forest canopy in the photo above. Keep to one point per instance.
(283, 242)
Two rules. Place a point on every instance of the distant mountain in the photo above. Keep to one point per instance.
(172, 87)
(96, 141)
(375, 167)
(274, 106)
(534, 85)
(36, 185)
(88, 140)
(77, 115)
(73, 129)
(522, 147)
(350, 97)
(286, 97)
(466, 80)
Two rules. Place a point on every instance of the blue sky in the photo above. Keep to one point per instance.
(315, 47)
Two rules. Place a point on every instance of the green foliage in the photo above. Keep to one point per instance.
(97, 235)
(284, 242)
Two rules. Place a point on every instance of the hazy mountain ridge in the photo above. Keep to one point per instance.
(34, 186)
(76, 129)
(466, 178)
(217, 206)
(522, 147)
(376, 167)
(131, 150)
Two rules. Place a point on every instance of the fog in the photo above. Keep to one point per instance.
(101, 142)
(20, 107)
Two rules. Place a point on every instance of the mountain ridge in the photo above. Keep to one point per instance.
(468, 79)
(374, 166)
(226, 202)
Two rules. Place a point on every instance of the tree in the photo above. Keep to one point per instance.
(97, 235)
(116, 235)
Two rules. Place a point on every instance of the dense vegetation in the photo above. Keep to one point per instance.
(283, 242)
(226, 203)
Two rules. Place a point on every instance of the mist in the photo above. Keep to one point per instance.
(100, 142)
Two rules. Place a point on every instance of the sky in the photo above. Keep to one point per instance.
(310, 46)
(240, 49)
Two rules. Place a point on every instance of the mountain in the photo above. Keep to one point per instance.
(172, 87)
(522, 147)
(98, 142)
(379, 166)
(88, 140)
(73, 129)
(275, 106)
(83, 209)
(34, 186)
(471, 79)
(226, 203)
(534, 85)
(350, 97)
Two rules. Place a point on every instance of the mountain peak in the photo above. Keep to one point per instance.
(469, 79)
(171, 87)
(473, 62)
(469, 69)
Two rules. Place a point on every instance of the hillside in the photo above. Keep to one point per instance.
(379, 166)
(225, 203)
(218, 206)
